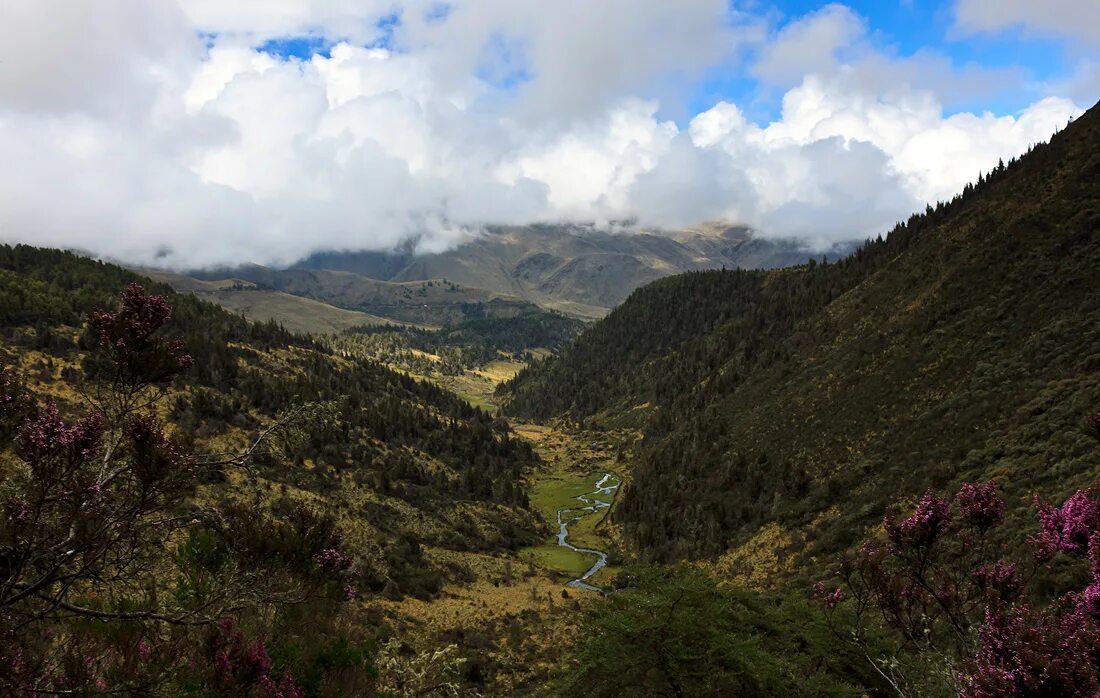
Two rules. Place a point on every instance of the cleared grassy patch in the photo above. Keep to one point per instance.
(500, 370)
(557, 490)
(552, 491)
(552, 557)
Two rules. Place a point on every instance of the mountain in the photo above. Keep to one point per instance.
(505, 272)
(790, 406)
(576, 270)
(431, 302)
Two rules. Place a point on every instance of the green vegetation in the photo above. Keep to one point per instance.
(469, 344)
(258, 304)
(673, 632)
(551, 556)
(292, 312)
(552, 491)
(781, 412)
(431, 302)
(405, 452)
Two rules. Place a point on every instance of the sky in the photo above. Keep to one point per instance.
(192, 133)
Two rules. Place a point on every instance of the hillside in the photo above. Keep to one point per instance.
(795, 404)
(260, 304)
(431, 302)
(576, 270)
(419, 461)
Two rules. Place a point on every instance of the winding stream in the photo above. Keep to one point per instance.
(567, 516)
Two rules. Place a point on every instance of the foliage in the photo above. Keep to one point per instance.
(386, 432)
(673, 632)
(92, 505)
(964, 619)
(462, 346)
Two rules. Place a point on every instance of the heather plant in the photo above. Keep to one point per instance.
(964, 619)
(110, 569)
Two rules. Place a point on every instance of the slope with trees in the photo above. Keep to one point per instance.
(960, 346)
(220, 483)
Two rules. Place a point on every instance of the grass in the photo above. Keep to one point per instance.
(552, 557)
(500, 370)
(552, 491)
(557, 490)
(293, 312)
(477, 386)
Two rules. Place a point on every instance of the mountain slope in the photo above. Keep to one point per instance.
(573, 269)
(431, 302)
(414, 473)
(964, 345)
(296, 313)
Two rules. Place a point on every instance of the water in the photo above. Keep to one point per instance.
(591, 505)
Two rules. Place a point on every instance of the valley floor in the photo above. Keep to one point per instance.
(517, 612)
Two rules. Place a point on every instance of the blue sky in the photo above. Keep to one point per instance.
(900, 28)
(906, 28)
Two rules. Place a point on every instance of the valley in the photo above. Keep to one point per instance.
(494, 349)
(414, 487)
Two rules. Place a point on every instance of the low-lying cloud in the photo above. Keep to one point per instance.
(158, 133)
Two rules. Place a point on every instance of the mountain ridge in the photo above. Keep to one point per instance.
(576, 270)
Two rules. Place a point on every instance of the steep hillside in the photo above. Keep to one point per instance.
(415, 472)
(577, 270)
(963, 345)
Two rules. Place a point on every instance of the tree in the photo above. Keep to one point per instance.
(674, 632)
(106, 559)
(965, 620)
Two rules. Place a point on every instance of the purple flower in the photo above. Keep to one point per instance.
(127, 335)
(1094, 555)
(332, 560)
(256, 658)
(154, 454)
(1090, 600)
(828, 599)
(47, 435)
(980, 504)
(1025, 651)
(221, 660)
(287, 687)
(931, 517)
(999, 577)
(1068, 528)
(18, 509)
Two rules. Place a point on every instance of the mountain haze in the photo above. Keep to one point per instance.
(577, 270)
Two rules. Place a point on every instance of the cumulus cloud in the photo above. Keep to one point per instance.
(161, 134)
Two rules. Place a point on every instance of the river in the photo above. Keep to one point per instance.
(568, 515)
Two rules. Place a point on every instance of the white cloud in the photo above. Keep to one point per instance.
(809, 45)
(1075, 18)
(137, 140)
(838, 165)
